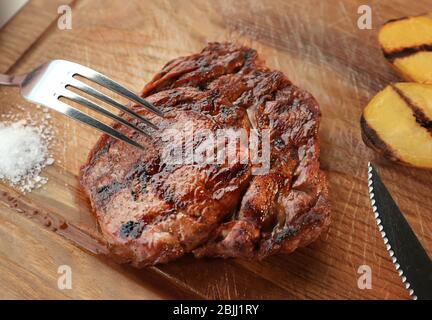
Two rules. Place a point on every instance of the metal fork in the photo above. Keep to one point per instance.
(49, 82)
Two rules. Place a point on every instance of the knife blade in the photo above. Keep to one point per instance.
(408, 255)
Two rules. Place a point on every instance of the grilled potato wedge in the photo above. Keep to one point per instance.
(397, 123)
(407, 45)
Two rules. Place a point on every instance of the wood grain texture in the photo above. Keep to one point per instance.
(21, 32)
(318, 46)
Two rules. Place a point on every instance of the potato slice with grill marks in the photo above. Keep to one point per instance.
(397, 123)
(407, 45)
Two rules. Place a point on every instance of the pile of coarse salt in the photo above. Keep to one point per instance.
(25, 143)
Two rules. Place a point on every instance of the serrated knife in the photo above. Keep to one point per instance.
(408, 256)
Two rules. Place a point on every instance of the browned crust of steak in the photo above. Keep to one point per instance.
(151, 212)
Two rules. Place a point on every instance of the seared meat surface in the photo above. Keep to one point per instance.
(151, 211)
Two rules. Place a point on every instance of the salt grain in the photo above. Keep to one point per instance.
(24, 151)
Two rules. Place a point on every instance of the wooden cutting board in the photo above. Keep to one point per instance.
(317, 44)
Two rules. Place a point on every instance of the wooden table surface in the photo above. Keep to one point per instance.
(317, 44)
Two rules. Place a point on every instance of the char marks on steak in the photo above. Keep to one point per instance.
(152, 212)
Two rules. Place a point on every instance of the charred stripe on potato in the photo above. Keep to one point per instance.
(373, 141)
(420, 116)
(397, 124)
(396, 19)
(407, 45)
(406, 52)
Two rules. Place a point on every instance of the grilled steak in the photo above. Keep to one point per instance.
(151, 211)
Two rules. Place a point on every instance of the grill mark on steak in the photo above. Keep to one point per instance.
(131, 229)
(203, 70)
(138, 178)
(106, 192)
(287, 233)
(153, 213)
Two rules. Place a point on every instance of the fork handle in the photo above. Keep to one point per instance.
(8, 80)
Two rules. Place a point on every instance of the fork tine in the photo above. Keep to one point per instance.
(101, 96)
(83, 101)
(76, 114)
(114, 86)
